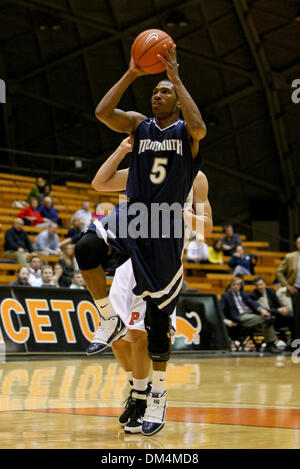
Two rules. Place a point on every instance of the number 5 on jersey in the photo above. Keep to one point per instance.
(158, 171)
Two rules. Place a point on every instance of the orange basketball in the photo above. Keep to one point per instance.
(145, 48)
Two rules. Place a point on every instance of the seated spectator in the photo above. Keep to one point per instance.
(215, 252)
(288, 274)
(230, 241)
(241, 311)
(35, 274)
(84, 214)
(98, 212)
(77, 280)
(47, 210)
(68, 263)
(17, 244)
(38, 189)
(284, 299)
(31, 215)
(47, 242)
(242, 263)
(57, 279)
(47, 192)
(74, 233)
(23, 276)
(197, 251)
(47, 276)
(267, 298)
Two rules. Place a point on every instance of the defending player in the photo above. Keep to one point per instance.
(165, 160)
(131, 350)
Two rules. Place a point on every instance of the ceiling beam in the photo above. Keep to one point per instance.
(218, 64)
(104, 42)
(275, 111)
(16, 89)
(57, 12)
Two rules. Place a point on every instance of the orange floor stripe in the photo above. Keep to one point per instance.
(277, 418)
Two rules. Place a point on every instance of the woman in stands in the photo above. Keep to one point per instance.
(68, 263)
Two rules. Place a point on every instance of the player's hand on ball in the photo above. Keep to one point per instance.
(170, 60)
(137, 71)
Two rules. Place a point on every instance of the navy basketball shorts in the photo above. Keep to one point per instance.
(156, 261)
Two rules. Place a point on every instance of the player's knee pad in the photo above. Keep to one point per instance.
(157, 326)
(90, 251)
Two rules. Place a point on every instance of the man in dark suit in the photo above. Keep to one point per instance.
(288, 274)
(240, 310)
(267, 298)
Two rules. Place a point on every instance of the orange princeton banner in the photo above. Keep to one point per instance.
(60, 320)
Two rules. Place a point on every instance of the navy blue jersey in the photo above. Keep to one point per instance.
(162, 167)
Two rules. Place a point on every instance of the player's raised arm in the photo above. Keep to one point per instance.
(201, 221)
(107, 177)
(107, 112)
(195, 125)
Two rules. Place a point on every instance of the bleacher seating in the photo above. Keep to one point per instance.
(68, 198)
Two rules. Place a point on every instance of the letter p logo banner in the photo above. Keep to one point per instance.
(2, 91)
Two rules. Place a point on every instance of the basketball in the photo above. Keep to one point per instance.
(145, 48)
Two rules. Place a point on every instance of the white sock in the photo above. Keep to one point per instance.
(105, 308)
(140, 384)
(158, 381)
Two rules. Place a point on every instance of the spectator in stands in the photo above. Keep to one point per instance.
(35, 274)
(267, 298)
(230, 241)
(77, 280)
(84, 214)
(23, 276)
(47, 192)
(98, 212)
(215, 252)
(58, 279)
(47, 242)
(68, 263)
(74, 233)
(31, 215)
(197, 251)
(288, 274)
(242, 263)
(241, 311)
(17, 244)
(47, 210)
(47, 276)
(38, 189)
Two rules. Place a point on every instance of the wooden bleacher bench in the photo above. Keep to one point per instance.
(49, 259)
(256, 244)
(6, 279)
(9, 266)
(192, 265)
(17, 177)
(223, 279)
(218, 229)
(272, 254)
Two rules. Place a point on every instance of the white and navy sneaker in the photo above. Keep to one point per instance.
(108, 331)
(139, 403)
(154, 418)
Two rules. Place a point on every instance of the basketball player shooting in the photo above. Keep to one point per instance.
(165, 160)
(131, 350)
